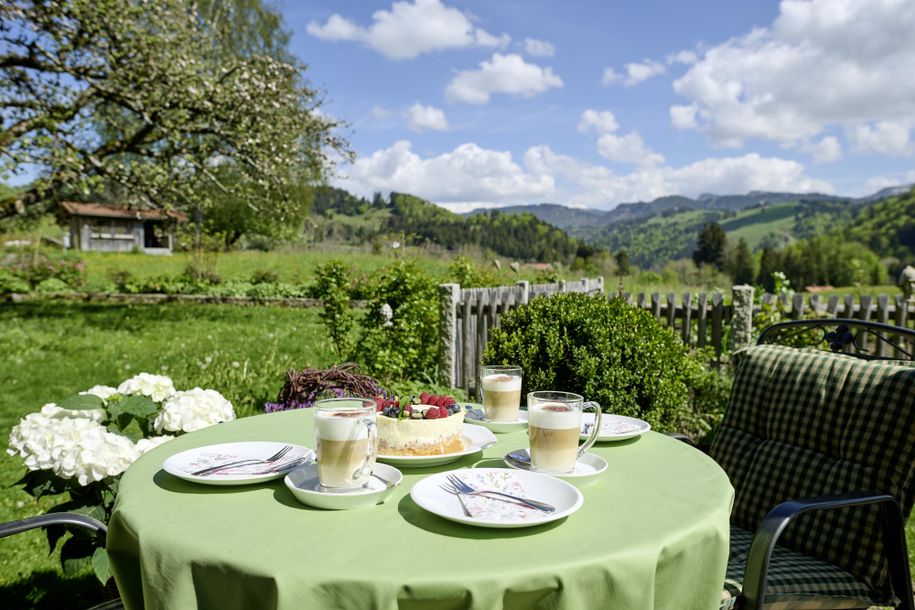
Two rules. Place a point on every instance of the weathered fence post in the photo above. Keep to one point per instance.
(449, 297)
(742, 316)
(525, 287)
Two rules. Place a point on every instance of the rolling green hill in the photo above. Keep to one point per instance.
(340, 215)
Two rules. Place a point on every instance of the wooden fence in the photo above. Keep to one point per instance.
(700, 320)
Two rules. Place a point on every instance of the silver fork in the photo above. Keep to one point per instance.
(246, 462)
(462, 487)
(452, 490)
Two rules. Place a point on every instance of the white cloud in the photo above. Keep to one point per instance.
(821, 63)
(467, 175)
(884, 137)
(610, 77)
(470, 176)
(600, 122)
(380, 113)
(635, 73)
(409, 30)
(629, 148)
(587, 185)
(682, 57)
(502, 74)
(683, 117)
(826, 150)
(426, 118)
(639, 72)
(538, 48)
(881, 182)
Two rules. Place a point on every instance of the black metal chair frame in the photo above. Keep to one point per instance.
(842, 335)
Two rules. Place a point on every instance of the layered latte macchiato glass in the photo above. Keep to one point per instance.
(501, 389)
(347, 442)
(554, 427)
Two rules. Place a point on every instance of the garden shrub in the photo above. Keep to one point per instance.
(468, 274)
(332, 285)
(33, 269)
(400, 329)
(10, 282)
(607, 351)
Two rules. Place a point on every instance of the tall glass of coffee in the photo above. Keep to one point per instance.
(501, 389)
(347, 442)
(554, 427)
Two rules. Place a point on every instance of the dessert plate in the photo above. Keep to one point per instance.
(429, 494)
(613, 427)
(304, 484)
(475, 439)
(499, 427)
(588, 468)
(256, 469)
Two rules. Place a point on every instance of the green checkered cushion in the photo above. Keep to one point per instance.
(795, 581)
(804, 423)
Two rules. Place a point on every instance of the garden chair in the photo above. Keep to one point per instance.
(69, 519)
(820, 448)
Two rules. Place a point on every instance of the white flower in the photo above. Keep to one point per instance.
(52, 411)
(71, 447)
(102, 391)
(156, 387)
(193, 410)
(148, 444)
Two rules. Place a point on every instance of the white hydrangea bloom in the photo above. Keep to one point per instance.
(192, 410)
(102, 391)
(148, 444)
(52, 411)
(156, 387)
(71, 447)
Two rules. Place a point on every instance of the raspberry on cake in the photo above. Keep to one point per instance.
(430, 425)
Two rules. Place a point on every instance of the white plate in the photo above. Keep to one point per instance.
(428, 494)
(614, 427)
(499, 427)
(475, 439)
(587, 469)
(184, 464)
(304, 484)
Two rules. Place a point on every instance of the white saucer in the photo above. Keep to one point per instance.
(184, 464)
(428, 494)
(476, 439)
(588, 468)
(499, 427)
(614, 427)
(304, 484)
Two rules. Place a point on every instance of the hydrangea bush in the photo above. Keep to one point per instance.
(79, 447)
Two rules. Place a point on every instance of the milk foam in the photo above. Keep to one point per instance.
(334, 428)
(553, 420)
(500, 382)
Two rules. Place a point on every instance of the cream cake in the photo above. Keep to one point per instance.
(430, 427)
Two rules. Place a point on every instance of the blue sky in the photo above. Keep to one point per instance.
(473, 103)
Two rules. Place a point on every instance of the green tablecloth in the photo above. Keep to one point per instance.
(653, 533)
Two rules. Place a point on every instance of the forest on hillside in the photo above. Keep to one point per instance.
(519, 236)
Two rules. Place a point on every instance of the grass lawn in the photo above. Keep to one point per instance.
(53, 350)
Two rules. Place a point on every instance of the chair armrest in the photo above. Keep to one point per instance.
(30, 523)
(774, 523)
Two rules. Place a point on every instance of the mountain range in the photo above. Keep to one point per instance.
(666, 228)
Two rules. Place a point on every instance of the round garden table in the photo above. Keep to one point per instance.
(652, 533)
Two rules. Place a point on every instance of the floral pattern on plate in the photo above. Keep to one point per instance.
(500, 510)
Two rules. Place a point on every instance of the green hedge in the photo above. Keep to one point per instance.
(607, 351)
